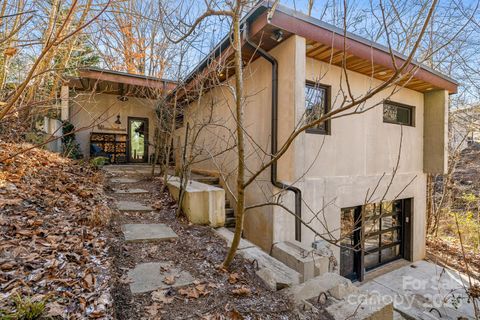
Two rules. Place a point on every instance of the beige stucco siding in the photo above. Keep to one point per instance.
(360, 153)
(333, 171)
(88, 110)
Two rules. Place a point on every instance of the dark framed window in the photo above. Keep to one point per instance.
(317, 103)
(398, 113)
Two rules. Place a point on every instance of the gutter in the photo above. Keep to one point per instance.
(274, 135)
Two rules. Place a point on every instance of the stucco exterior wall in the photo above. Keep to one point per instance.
(333, 171)
(87, 111)
(361, 152)
(216, 107)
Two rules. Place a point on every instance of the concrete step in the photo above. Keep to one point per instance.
(302, 258)
(230, 222)
(213, 181)
(361, 306)
(274, 274)
(229, 212)
(227, 235)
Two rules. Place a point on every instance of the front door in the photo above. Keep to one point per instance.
(137, 139)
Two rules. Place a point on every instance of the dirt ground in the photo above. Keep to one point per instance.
(216, 294)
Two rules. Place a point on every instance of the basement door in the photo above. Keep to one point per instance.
(372, 235)
(137, 139)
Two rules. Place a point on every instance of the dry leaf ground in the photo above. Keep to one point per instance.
(53, 248)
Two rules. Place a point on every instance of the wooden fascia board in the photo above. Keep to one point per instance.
(340, 42)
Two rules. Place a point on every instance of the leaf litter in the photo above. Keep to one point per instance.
(53, 247)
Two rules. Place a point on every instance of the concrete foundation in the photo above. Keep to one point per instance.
(227, 235)
(274, 273)
(303, 259)
(203, 204)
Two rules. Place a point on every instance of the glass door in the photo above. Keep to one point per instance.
(350, 249)
(137, 139)
(382, 233)
(372, 235)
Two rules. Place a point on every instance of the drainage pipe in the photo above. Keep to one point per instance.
(274, 137)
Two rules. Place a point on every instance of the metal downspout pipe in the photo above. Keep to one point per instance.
(274, 136)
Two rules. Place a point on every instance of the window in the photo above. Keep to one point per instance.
(317, 103)
(398, 113)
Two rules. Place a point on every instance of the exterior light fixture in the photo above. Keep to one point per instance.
(118, 120)
(277, 35)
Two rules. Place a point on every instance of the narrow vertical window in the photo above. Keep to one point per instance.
(317, 100)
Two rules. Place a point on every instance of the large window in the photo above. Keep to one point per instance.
(317, 103)
(398, 113)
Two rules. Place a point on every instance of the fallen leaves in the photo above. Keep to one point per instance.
(242, 291)
(233, 278)
(169, 280)
(50, 240)
(200, 289)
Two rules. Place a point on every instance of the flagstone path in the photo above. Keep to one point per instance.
(150, 276)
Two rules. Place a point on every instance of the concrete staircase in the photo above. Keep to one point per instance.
(215, 182)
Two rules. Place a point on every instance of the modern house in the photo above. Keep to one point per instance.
(113, 113)
(358, 180)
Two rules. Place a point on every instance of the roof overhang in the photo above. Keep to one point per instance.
(120, 83)
(324, 42)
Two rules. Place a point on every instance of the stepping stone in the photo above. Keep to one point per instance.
(132, 206)
(124, 180)
(130, 191)
(150, 276)
(144, 232)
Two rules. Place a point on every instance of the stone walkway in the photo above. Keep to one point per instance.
(150, 276)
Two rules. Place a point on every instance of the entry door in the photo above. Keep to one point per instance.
(350, 249)
(137, 139)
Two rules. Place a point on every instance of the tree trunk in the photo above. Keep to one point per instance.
(240, 139)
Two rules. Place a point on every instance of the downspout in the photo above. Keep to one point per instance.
(274, 136)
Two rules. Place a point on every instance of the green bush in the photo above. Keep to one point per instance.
(98, 162)
(25, 309)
